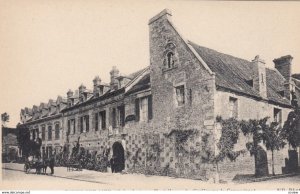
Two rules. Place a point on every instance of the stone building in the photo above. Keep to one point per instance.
(162, 119)
(45, 122)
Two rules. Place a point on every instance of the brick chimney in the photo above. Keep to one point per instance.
(82, 89)
(70, 94)
(114, 83)
(97, 83)
(259, 77)
(70, 99)
(284, 65)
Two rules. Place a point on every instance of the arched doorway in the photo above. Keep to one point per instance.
(119, 159)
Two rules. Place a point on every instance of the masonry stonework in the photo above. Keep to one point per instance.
(164, 116)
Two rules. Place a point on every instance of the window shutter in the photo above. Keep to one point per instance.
(69, 126)
(123, 116)
(103, 119)
(96, 122)
(150, 112)
(137, 109)
(81, 124)
(87, 122)
(74, 124)
(114, 118)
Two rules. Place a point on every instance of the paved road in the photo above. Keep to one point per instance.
(19, 178)
(102, 181)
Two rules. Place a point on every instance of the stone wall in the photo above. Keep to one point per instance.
(248, 109)
(197, 113)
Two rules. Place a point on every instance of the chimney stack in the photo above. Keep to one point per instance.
(259, 77)
(114, 73)
(70, 94)
(81, 88)
(284, 65)
(97, 82)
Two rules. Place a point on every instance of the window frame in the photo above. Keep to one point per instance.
(57, 131)
(43, 132)
(176, 94)
(49, 132)
(102, 119)
(234, 111)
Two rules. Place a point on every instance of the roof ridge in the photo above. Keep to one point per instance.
(219, 52)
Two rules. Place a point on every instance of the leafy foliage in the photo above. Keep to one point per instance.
(4, 118)
(273, 137)
(291, 127)
(229, 137)
(255, 129)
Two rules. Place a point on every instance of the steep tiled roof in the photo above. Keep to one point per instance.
(232, 73)
(135, 74)
(142, 84)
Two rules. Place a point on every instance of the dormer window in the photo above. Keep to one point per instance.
(250, 82)
(170, 60)
(281, 93)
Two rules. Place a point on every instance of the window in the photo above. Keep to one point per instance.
(121, 115)
(103, 119)
(277, 115)
(281, 93)
(250, 82)
(114, 118)
(37, 133)
(57, 131)
(262, 79)
(87, 123)
(180, 95)
(69, 127)
(96, 122)
(233, 107)
(33, 134)
(50, 132)
(73, 126)
(143, 108)
(43, 132)
(170, 60)
(81, 124)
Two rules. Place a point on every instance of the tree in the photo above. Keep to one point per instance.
(23, 139)
(254, 128)
(4, 118)
(291, 125)
(273, 138)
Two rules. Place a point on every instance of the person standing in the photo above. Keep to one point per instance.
(112, 164)
(52, 163)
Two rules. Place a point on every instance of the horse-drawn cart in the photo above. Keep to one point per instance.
(34, 163)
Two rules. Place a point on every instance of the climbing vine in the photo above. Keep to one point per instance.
(229, 136)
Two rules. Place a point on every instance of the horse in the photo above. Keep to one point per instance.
(42, 165)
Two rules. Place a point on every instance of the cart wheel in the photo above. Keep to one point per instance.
(26, 168)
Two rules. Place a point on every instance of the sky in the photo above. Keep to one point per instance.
(49, 47)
